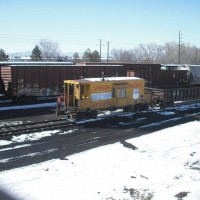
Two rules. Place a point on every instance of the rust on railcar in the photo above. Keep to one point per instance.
(6, 76)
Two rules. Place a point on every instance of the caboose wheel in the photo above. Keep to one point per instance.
(94, 114)
(81, 116)
(137, 108)
(144, 107)
(126, 109)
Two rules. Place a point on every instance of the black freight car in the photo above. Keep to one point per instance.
(27, 81)
(161, 77)
(167, 95)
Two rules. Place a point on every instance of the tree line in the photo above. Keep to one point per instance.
(48, 50)
(170, 52)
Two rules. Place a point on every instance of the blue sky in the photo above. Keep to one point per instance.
(80, 24)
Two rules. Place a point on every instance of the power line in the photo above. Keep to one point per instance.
(71, 41)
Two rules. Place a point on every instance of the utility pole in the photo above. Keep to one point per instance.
(179, 47)
(196, 56)
(100, 50)
(108, 52)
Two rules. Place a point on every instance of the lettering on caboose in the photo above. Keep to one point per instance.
(135, 85)
(102, 87)
(101, 104)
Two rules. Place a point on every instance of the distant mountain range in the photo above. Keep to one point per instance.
(28, 53)
(20, 54)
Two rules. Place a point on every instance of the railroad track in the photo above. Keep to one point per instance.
(112, 121)
(88, 135)
(31, 127)
(60, 146)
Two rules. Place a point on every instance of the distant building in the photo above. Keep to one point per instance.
(105, 59)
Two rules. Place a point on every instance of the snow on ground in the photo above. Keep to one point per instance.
(33, 136)
(164, 164)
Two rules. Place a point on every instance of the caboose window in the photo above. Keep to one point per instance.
(113, 92)
(121, 93)
(82, 92)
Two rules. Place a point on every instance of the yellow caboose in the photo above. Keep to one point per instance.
(84, 97)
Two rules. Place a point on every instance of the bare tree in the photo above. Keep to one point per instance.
(150, 53)
(170, 53)
(123, 55)
(188, 54)
(49, 49)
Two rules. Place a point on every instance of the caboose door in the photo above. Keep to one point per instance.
(72, 92)
(119, 94)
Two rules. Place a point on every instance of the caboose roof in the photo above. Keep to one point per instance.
(106, 79)
(111, 79)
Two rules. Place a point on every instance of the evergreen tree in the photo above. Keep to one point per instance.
(95, 57)
(89, 56)
(36, 54)
(76, 57)
(3, 55)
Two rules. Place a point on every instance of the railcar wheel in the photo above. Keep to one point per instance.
(137, 108)
(144, 107)
(170, 103)
(162, 105)
(94, 114)
(125, 109)
(14, 99)
(20, 100)
(129, 108)
(81, 116)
